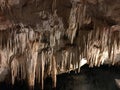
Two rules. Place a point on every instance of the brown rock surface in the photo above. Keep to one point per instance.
(69, 30)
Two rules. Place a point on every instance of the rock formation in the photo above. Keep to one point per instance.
(41, 38)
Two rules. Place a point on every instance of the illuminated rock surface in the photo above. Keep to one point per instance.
(42, 38)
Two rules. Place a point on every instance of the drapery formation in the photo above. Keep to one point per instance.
(57, 40)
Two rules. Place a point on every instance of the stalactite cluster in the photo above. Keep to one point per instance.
(35, 52)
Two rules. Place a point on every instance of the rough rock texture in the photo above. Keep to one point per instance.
(41, 38)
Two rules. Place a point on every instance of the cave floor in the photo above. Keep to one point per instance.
(97, 78)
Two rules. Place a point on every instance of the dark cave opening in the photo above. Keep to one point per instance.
(97, 78)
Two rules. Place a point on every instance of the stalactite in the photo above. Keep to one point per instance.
(22, 65)
(54, 71)
(73, 60)
(65, 59)
(53, 5)
(50, 62)
(22, 38)
(95, 49)
(31, 35)
(52, 39)
(68, 61)
(71, 31)
(14, 69)
(33, 63)
(71, 54)
(38, 68)
(52, 48)
(59, 59)
(42, 70)
(57, 36)
(62, 62)
(79, 59)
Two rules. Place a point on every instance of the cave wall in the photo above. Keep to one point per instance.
(41, 38)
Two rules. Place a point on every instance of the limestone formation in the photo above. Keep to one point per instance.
(41, 38)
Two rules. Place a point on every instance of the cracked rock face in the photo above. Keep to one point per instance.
(41, 38)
